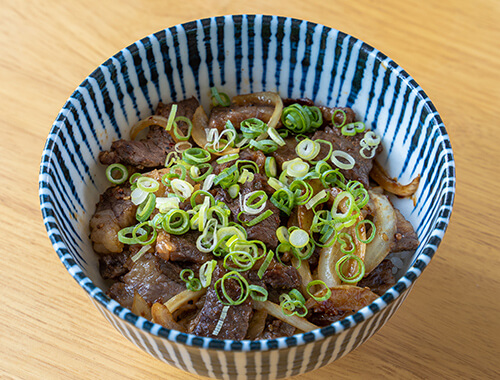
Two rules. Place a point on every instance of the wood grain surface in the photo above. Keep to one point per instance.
(448, 328)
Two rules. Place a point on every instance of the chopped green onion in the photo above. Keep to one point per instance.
(283, 199)
(330, 149)
(217, 98)
(252, 128)
(145, 209)
(177, 131)
(344, 118)
(133, 178)
(271, 167)
(111, 169)
(373, 231)
(297, 168)
(246, 176)
(266, 214)
(258, 293)
(274, 135)
(192, 283)
(209, 181)
(242, 261)
(139, 229)
(171, 117)
(181, 146)
(275, 184)
(254, 208)
(282, 234)
(339, 269)
(138, 196)
(291, 304)
(171, 159)
(203, 193)
(359, 193)
(194, 172)
(346, 241)
(221, 320)
(321, 197)
(228, 158)
(326, 295)
(242, 282)
(336, 154)
(233, 190)
(147, 184)
(207, 241)
(176, 222)
(352, 128)
(266, 146)
(302, 191)
(194, 156)
(298, 238)
(165, 204)
(265, 264)
(140, 253)
(301, 119)
(123, 238)
(307, 149)
(181, 188)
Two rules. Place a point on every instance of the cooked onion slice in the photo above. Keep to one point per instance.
(380, 176)
(199, 132)
(346, 298)
(294, 320)
(267, 98)
(162, 316)
(147, 122)
(140, 306)
(385, 223)
(182, 298)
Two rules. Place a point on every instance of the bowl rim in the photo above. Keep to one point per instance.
(402, 285)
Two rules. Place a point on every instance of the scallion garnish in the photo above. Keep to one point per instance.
(240, 280)
(114, 168)
(339, 269)
(192, 283)
(219, 98)
(361, 225)
(326, 292)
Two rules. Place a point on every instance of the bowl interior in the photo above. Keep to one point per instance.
(242, 54)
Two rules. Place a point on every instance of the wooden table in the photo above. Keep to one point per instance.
(450, 325)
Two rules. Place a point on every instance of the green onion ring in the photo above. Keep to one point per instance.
(242, 282)
(121, 169)
(372, 235)
(339, 268)
(265, 264)
(217, 98)
(326, 296)
(145, 209)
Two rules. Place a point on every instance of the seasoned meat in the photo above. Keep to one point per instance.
(256, 156)
(147, 279)
(235, 324)
(350, 145)
(114, 211)
(344, 301)
(184, 248)
(152, 151)
(276, 328)
(380, 279)
(405, 238)
(185, 108)
(236, 114)
(285, 152)
(173, 270)
(113, 265)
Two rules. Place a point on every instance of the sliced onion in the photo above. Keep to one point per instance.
(390, 184)
(336, 154)
(265, 98)
(147, 122)
(385, 223)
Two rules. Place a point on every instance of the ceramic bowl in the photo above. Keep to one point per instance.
(243, 54)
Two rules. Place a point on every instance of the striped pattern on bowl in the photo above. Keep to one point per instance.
(242, 54)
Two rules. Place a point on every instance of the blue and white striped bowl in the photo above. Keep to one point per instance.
(242, 54)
